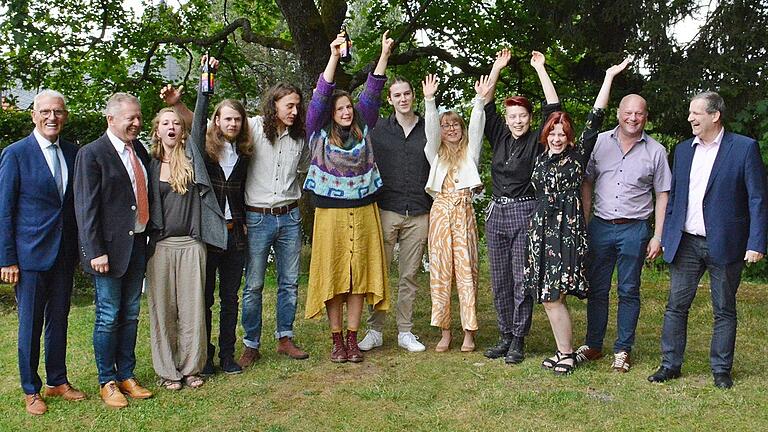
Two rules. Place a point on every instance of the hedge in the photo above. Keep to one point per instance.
(81, 128)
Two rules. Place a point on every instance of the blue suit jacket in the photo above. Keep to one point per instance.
(35, 224)
(735, 202)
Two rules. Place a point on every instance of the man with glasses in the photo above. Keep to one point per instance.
(38, 246)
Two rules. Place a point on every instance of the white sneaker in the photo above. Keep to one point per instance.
(410, 342)
(372, 339)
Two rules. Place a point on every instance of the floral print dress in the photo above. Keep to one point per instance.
(557, 236)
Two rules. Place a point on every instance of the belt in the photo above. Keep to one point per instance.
(230, 225)
(507, 200)
(274, 211)
(621, 221)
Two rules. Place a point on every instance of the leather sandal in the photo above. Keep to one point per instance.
(193, 381)
(549, 363)
(170, 384)
(562, 368)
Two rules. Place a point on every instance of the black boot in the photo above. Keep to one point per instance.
(515, 354)
(501, 347)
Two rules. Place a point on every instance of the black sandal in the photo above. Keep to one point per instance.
(561, 368)
(549, 363)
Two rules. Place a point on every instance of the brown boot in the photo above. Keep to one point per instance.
(66, 391)
(286, 346)
(339, 351)
(353, 351)
(35, 404)
(249, 356)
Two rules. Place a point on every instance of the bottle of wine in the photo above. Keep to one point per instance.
(346, 48)
(207, 76)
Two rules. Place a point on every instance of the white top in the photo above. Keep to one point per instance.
(273, 172)
(701, 168)
(44, 144)
(227, 160)
(465, 174)
(125, 157)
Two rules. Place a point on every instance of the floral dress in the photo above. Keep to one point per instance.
(557, 236)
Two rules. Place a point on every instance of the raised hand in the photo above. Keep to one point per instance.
(537, 59)
(502, 59)
(336, 45)
(171, 95)
(484, 87)
(617, 69)
(213, 62)
(387, 44)
(429, 85)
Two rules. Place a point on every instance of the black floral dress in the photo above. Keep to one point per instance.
(557, 236)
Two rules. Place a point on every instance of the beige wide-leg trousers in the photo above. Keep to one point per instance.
(175, 294)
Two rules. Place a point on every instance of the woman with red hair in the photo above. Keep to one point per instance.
(557, 242)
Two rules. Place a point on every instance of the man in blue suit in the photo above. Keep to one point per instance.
(38, 246)
(716, 220)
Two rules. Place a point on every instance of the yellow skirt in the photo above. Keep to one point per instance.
(347, 257)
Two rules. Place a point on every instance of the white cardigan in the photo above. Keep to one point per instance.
(466, 172)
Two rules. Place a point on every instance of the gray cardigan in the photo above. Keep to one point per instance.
(213, 226)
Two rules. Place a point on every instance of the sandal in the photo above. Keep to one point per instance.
(170, 384)
(549, 363)
(562, 368)
(193, 381)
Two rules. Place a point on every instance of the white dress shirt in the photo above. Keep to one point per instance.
(701, 168)
(44, 144)
(125, 157)
(227, 160)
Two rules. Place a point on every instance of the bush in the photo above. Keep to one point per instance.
(81, 128)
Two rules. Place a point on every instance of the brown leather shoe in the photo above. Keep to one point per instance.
(66, 391)
(111, 396)
(286, 346)
(249, 356)
(35, 404)
(586, 354)
(353, 351)
(132, 388)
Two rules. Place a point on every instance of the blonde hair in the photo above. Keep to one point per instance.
(182, 173)
(214, 138)
(453, 154)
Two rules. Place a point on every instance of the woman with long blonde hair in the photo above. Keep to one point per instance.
(454, 155)
(184, 218)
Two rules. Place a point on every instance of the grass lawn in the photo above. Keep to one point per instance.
(393, 390)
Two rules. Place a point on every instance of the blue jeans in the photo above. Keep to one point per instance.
(117, 317)
(691, 260)
(283, 233)
(623, 246)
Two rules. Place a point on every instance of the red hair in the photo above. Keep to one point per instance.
(561, 118)
(519, 101)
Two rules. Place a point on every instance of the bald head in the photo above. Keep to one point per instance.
(632, 115)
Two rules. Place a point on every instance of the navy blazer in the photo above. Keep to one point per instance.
(735, 202)
(105, 205)
(35, 223)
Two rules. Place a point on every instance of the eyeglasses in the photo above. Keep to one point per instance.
(451, 126)
(56, 113)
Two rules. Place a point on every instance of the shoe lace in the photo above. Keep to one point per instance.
(580, 354)
(620, 359)
(410, 338)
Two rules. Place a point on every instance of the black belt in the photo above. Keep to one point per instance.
(507, 200)
(274, 211)
(620, 221)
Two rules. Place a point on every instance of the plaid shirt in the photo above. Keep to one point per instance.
(234, 191)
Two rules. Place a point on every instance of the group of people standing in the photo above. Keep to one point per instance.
(214, 197)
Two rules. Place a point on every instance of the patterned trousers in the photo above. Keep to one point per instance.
(506, 231)
(453, 254)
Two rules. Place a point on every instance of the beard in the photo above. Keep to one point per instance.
(228, 137)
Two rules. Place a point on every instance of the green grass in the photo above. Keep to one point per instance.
(393, 390)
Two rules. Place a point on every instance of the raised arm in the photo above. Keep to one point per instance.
(431, 119)
(477, 118)
(538, 61)
(319, 105)
(370, 99)
(605, 90)
(172, 97)
(386, 50)
(199, 123)
(502, 60)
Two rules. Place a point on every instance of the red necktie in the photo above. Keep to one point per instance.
(142, 201)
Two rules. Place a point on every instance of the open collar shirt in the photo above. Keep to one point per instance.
(701, 167)
(624, 181)
(274, 170)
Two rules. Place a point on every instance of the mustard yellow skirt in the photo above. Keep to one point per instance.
(347, 257)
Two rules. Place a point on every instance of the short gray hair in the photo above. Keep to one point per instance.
(715, 102)
(48, 93)
(114, 102)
